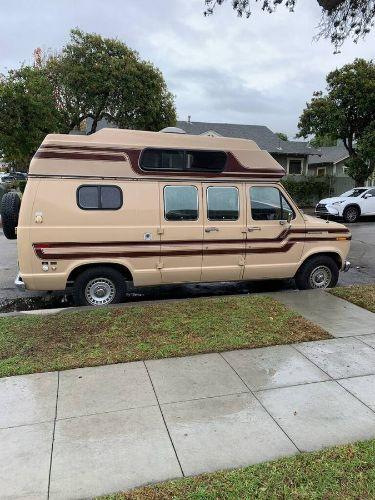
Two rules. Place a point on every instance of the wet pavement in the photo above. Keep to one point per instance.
(91, 431)
(362, 256)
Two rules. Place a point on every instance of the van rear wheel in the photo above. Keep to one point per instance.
(319, 272)
(99, 286)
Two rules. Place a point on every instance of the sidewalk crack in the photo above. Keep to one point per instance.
(53, 435)
(165, 423)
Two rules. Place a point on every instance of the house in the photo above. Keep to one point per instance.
(331, 161)
(292, 155)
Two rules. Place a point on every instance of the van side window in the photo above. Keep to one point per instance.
(99, 197)
(268, 203)
(180, 203)
(178, 160)
(222, 203)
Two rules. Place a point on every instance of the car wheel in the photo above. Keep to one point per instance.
(10, 208)
(351, 214)
(319, 272)
(99, 286)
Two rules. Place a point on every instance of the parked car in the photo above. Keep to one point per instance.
(13, 176)
(157, 208)
(350, 205)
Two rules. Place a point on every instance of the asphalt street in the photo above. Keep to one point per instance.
(362, 257)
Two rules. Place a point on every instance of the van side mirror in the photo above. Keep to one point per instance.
(289, 217)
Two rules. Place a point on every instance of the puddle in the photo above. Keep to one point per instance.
(164, 292)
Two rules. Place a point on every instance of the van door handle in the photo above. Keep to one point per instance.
(254, 228)
(210, 229)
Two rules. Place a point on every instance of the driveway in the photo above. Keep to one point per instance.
(362, 257)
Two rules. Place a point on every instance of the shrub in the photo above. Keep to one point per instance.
(306, 190)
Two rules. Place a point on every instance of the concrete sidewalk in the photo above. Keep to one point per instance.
(86, 432)
(337, 316)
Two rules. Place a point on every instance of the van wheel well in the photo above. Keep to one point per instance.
(78, 270)
(335, 256)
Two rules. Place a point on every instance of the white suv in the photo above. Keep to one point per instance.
(350, 205)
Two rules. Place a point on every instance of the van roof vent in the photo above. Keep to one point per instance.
(173, 130)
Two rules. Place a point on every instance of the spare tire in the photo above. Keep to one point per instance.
(10, 208)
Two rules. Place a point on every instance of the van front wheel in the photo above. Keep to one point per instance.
(317, 273)
(99, 286)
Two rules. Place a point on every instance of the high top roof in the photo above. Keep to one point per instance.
(115, 153)
(142, 139)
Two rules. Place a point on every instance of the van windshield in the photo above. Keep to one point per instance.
(353, 193)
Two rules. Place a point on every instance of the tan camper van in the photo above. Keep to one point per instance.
(152, 208)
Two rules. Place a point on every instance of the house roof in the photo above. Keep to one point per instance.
(261, 134)
(329, 154)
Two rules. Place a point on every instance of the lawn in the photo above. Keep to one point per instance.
(31, 344)
(341, 473)
(361, 295)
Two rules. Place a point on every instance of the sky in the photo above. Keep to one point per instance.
(220, 68)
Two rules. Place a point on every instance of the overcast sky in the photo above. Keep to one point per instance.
(260, 70)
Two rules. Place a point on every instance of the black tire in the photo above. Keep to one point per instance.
(88, 284)
(351, 214)
(311, 270)
(10, 209)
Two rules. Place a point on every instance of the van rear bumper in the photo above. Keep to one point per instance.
(19, 283)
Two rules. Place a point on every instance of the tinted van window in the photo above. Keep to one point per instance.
(222, 203)
(268, 203)
(99, 197)
(180, 203)
(178, 160)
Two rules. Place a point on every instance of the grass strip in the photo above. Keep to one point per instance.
(39, 343)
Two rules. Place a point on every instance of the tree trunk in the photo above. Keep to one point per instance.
(330, 5)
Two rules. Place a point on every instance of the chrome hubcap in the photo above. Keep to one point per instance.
(351, 214)
(100, 291)
(320, 277)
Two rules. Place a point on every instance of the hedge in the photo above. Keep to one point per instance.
(306, 190)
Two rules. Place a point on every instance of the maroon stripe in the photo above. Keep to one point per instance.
(174, 253)
(79, 156)
(280, 237)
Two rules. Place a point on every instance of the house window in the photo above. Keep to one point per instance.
(99, 197)
(321, 171)
(177, 160)
(295, 167)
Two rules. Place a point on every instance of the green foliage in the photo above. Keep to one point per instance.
(28, 112)
(320, 141)
(346, 112)
(340, 18)
(93, 77)
(282, 136)
(308, 189)
(96, 77)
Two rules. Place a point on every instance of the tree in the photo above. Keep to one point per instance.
(346, 112)
(325, 140)
(340, 18)
(282, 136)
(98, 78)
(28, 112)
